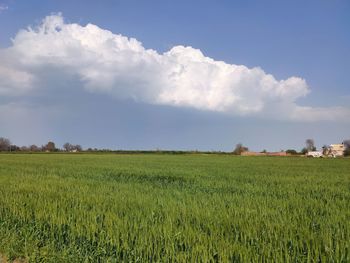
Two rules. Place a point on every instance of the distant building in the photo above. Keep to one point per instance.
(336, 149)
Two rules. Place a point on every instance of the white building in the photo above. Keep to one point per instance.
(336, 149)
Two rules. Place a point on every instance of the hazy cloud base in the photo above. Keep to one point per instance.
(3, 7)
(60, 61)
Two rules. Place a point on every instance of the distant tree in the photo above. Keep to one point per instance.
(239, 149)
(347, 147)
(34, 148)
(14, 148)
(50, 146)
(4, 144)
(67, 147)
(325, 149)
(264, 151)
(310, 145)
(24, 149)
(70, 147)
(78, 147)
(304, 150)
(291, 151)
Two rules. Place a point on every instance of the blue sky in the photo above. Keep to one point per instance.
(308, 40)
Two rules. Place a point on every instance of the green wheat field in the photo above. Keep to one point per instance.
(173, 208)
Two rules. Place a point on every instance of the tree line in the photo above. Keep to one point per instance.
(309, 147)
(7, 146)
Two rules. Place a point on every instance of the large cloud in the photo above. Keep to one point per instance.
(55, 55)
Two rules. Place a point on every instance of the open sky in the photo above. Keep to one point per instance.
(181, 75)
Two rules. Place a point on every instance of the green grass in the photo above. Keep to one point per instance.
(174, 208)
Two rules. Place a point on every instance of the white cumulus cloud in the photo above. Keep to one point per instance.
(99, 61)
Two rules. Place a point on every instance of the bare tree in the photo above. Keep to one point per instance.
(34, 148)
(24, 149)
(70, 147)
(239, 149)
(67, 147)
(14, 148)
(310, 145)
(50, 147)
(5, 144)
(78, 147)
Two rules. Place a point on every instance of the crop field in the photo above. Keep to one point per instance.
(173, 208)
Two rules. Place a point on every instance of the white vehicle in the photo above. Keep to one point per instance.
(315, 154)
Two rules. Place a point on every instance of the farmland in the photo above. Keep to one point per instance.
(173, 208)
